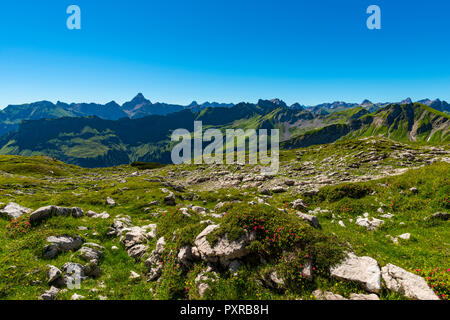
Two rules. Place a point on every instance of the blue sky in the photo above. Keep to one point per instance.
(177, 51)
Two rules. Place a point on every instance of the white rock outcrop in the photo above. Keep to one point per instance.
(364, 270)
(407, 283)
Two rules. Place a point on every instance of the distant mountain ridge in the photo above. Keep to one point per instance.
(140, 107)
(95, 142)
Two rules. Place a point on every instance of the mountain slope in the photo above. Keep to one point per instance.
(409, 122)
(95, 142)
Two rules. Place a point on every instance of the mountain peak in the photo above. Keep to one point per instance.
(406, 101)
(139, 98)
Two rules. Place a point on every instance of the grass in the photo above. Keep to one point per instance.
(283, 241)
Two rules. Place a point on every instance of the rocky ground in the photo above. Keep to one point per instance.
(363, 220)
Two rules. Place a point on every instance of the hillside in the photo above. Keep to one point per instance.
(408, 122)
(158, 234)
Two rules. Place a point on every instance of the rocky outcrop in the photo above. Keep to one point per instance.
(169, 198)
(363, 270)
(91, 252)
(327, 295)
(298, 204)
(369, 224)
(133, 238)
(50, 294)
(223, 250)
(154, 263)
(61, 244)
(312, 220)
(49, 211)
(95, 215)
(53, 274)
(406, 283)
(359, 296)
(13, 210)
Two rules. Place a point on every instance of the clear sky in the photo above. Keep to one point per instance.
(176, 51)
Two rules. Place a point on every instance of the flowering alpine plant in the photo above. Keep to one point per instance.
(438, 279)
(18, 226)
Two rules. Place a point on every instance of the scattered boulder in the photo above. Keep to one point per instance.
(110, 202)
(53, 274)
(414, 190)
(61, 244)
(223, 250)
(77, 296)
(169, 199)
(134, 275)
(199, 209)
(406, 283)
(307, 270)
(87, 253)
(13, 210)
(202, 280)
(50, 294)
(49, 211)
(440, 216)
(278, 189)
(326, 295)
(369, 224)
(92, 269)
(137, 251)
(364, 270)
(405, 236)
(95, 215)
(74, 273)
(154, 263)
(312, 220)
(359, 296)
(185, 256)
(274, 280)
(298, 204)
(234, 266)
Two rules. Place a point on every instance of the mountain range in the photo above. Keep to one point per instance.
(140, 107)
(91, 141)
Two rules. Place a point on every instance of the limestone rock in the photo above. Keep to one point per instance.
(358, 296)
(369, 224)
(407, 283)
(50, 294)
(363, 270)
(13, 210)
(312, 220)
(110, 201)
(223, 250)
(326, 295)
(298, 204)
(61, 244)
(49, 211)
(53, 273)
(88, 254)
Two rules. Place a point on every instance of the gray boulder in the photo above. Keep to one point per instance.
(223, 250)
(50, 294)
(53, 273)
(312, 220)
(88, 254)
(363, 270)
(406, 283)
(61, 244)
(49, 211)
(13, 210)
